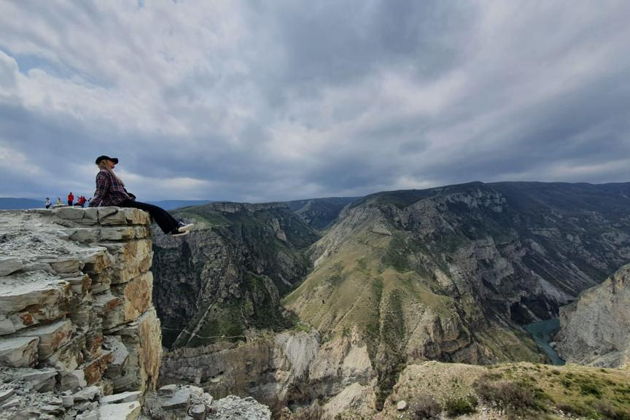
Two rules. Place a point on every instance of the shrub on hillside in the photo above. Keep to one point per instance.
(424, 407)
(511, 396)
(608, 411)
(459, 406)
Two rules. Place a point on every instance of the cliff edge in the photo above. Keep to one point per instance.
(77, 322)
(595, 329)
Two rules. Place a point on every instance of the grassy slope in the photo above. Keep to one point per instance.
(356, 287)
(522, 390)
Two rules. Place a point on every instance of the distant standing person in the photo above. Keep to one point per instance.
(58, 202)
(70, 199)
(110, 191)
(48, 203)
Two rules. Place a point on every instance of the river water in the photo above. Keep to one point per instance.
(543, 332)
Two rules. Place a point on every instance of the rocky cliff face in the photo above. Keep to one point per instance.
(227, 276)
(76, 317)
(595, 329)
(79, 337)
(289, 369)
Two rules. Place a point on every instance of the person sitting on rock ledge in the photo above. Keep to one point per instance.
(110, 191)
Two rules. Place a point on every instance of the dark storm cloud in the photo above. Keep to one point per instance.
(277, 100)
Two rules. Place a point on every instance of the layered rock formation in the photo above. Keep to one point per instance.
(76, 315)
(595, 329)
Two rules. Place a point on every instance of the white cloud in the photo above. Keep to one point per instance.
(241, 100)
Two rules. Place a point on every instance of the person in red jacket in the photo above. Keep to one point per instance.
(81, 201)
(111, 191)
(70, 199)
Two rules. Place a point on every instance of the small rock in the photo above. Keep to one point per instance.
(122, 397)
(13, 402)
(54, 401)
(180, 399)
(167, 390)
(73, 380)
(123, 411)
(41, 380)
(401, 406)
(89, 415)
(197, 411)
(52, 409)
(67, 401)
(88, 394)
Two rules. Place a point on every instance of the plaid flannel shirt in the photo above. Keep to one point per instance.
(109, 191)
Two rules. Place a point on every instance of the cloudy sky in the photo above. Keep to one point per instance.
(285, 99)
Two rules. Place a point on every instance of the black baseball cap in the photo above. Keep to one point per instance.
(105, 157)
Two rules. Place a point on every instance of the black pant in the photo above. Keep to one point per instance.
(165, 221)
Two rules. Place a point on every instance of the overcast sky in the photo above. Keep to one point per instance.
(284, 99)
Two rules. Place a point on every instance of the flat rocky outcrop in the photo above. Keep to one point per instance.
(77, 323)
(595, 330)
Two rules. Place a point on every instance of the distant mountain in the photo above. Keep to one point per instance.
(319, 213)
(10, 203)
(176, 204)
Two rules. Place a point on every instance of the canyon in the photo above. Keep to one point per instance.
(397, 278)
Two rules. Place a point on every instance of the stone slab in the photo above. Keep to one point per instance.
(42, 380)
(5, 394)
(18, 351)
(51, 336)
(32, 289)
(122, 411)
(129, 396)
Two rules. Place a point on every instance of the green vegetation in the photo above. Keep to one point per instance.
(396, 254)
(459, 406)
(519, 390)
(514, 397)
(225, 323)
(262, 310)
